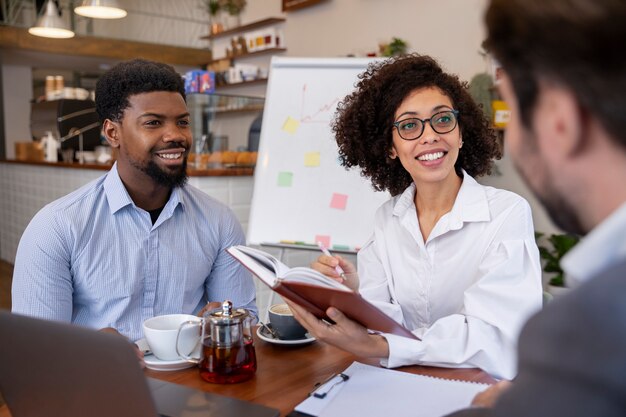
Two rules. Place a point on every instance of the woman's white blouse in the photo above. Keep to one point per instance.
(467, 290)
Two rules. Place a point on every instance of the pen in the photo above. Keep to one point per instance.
(338, 269)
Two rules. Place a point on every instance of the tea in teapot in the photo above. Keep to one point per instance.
(228, 354)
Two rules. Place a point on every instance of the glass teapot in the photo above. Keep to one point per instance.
(228, 354)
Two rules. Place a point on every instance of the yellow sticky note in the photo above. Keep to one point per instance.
(312, 159)
(291, 125)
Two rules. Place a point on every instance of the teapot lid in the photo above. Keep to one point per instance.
(227, 314)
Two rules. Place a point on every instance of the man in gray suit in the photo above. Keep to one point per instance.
(565, 82)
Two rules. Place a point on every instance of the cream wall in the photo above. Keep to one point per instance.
(450, 30)
(17, 88)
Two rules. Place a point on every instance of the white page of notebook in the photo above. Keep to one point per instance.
(374, 391)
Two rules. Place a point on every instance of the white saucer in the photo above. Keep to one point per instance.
(265, 335)
(156, 364)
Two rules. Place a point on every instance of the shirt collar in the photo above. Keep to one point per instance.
(601, 248)
(471, 203)
(118, 197)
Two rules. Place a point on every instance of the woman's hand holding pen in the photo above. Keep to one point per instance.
(327, 266)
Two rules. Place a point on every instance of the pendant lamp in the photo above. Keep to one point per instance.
(100, 9)
(50, 24)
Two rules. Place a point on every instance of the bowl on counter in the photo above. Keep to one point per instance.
(88, 156)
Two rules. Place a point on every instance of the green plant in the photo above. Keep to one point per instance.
(212, 6)
(396, 47)
(560, 244)
(233, 7)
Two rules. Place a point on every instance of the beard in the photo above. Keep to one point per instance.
(175, 178)
(171, 178)
(562, 213)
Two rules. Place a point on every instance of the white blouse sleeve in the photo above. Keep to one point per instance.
(484, 333)
(373, 285)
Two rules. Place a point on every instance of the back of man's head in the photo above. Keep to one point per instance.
(573, 43)
(133, 77)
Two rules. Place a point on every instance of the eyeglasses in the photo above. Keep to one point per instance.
(441, 122)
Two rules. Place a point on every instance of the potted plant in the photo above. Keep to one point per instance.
(396, 47)
(213, 7)
(233, 8)
(559, 245)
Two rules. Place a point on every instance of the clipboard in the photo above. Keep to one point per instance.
(375, 391)
(320, 396)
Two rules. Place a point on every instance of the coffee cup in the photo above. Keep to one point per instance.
(161, 333)
(284, 323)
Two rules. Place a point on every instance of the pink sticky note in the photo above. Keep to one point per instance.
(324, 239)
(338, 201)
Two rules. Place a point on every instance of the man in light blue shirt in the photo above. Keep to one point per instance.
(137, 242)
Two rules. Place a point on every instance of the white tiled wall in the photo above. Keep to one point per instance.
(235, 192)
(24, 190)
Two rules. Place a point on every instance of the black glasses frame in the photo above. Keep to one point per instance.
(424, 121)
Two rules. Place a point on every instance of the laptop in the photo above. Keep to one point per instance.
(57, 369)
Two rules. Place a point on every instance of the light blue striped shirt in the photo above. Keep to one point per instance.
(94, 258)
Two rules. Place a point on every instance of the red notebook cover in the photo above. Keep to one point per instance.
(317, 299)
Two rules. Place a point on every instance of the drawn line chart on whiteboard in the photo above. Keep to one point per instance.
(322, 115)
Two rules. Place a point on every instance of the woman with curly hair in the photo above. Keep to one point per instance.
(454, 261)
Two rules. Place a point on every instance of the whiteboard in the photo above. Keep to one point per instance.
(301, 192)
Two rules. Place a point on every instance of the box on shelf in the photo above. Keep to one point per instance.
(264, 39)
(199, 81)
(29, 151)
(501, 113)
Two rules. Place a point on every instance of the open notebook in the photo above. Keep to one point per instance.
(374, 391)
(314, 291)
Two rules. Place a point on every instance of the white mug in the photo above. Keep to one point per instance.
(161, 333)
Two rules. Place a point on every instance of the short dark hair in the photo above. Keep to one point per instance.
(573, 43)
(364, 120)
(133, 77)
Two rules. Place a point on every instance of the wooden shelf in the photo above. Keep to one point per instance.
(255, 53)
(241, 84)
(91, 46)
(241, 110)
(244, 28)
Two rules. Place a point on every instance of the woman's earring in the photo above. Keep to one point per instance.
(461, 144)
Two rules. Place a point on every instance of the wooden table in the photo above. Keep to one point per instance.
(286, 374)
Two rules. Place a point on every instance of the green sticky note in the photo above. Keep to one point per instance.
(341, 247)
(285, 179)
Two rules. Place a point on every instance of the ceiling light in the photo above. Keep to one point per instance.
(100, 9)
(50, 24)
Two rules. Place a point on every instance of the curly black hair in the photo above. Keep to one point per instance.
(364, 121)
(133, 77)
